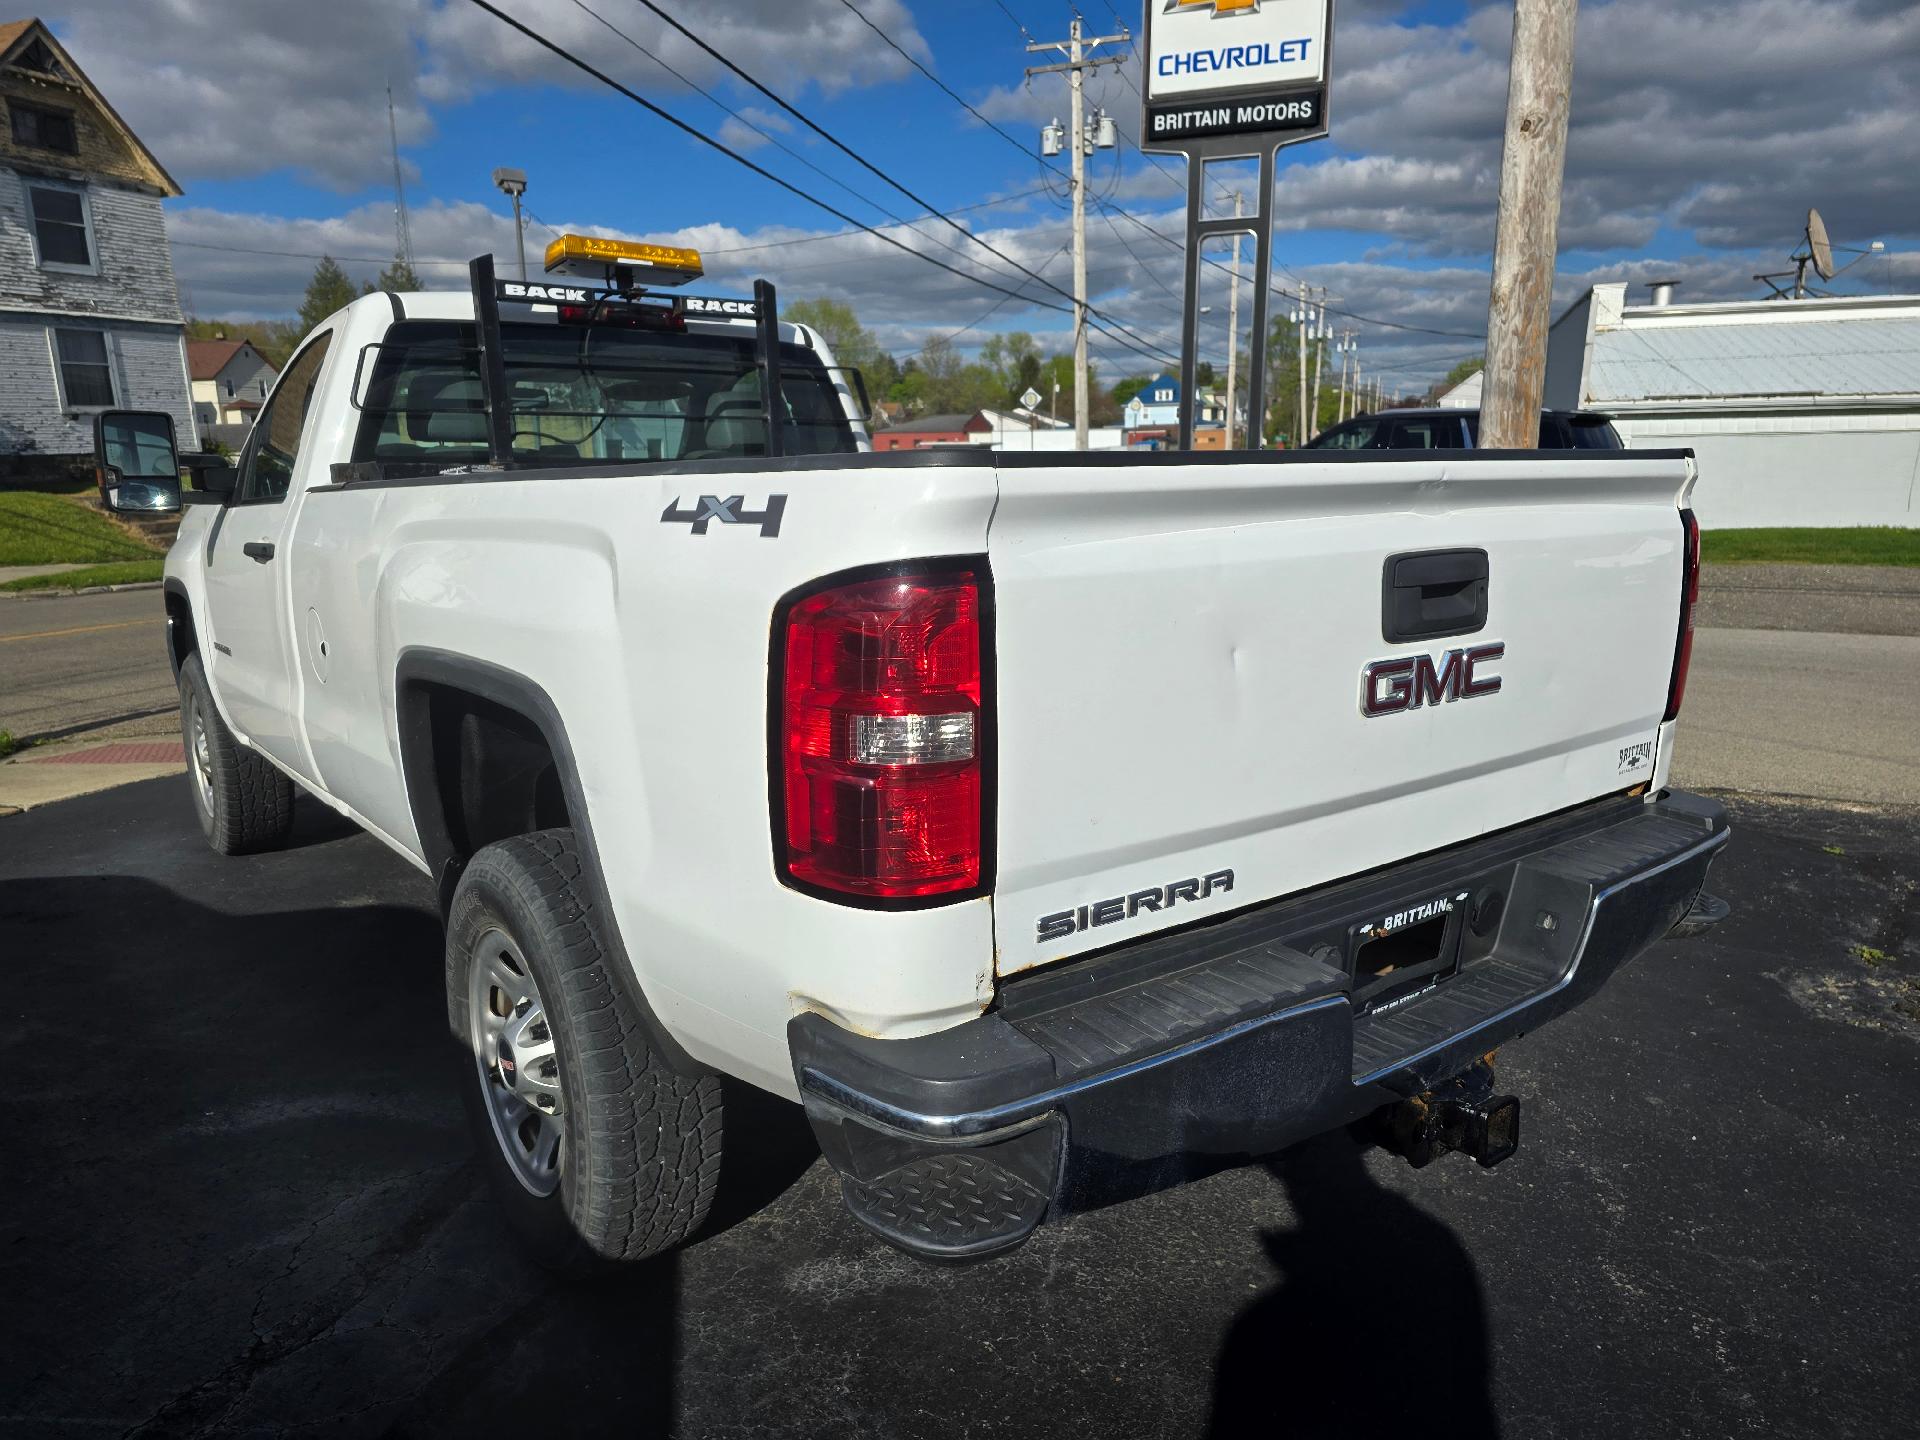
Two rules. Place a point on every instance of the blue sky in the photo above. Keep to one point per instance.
(1701, 135)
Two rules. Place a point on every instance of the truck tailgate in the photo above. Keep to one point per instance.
(1180, 658)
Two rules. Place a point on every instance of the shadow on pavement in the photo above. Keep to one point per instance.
(1377, 1327)
(257, 1181)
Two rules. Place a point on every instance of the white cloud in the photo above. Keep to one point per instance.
(230, 89)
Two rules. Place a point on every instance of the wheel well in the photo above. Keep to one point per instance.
(478, 771)
(181, 639)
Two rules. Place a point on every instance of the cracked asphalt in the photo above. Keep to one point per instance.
(240, 1200)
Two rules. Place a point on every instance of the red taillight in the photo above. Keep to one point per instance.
(1689, 597)
(882, 736)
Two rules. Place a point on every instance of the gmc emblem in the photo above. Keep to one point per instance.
(1388, 687)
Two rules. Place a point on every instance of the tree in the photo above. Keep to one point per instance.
(328, 291)
(398, 276)
(1464, 369)
(852, 343)
(1125, 389)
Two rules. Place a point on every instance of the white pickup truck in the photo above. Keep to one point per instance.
(1054, 828)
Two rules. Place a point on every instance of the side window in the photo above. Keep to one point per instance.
(1553, 433)
(275, 443)
(1425, 434)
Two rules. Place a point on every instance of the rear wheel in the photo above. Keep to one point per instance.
(243, 804)
(598, 1146)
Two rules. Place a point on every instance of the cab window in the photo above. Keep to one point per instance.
(589, 394)
(274, 447)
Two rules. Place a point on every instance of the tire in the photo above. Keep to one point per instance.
(244, 805)
(632, 1171)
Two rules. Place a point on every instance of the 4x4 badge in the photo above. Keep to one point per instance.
(727, 512)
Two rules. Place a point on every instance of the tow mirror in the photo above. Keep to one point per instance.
(135, 460)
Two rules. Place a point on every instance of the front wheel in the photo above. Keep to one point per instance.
(243, 804)
(597, 1144)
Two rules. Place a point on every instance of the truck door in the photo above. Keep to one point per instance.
(251, 657)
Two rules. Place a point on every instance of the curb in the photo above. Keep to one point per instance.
(52, 592)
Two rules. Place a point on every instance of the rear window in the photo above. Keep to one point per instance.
(1565, 432)
(1594, 432)
(581, 393)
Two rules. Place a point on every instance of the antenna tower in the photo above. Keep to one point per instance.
(402, 237)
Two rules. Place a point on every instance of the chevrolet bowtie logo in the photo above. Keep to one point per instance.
(1219, 7)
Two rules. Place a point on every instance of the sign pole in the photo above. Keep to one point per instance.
(1231, 80)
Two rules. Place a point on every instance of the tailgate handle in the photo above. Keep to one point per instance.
(1433, 593)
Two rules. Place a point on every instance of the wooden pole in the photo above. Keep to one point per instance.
(1531, 170)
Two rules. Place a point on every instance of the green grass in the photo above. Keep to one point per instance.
(38, 529)
(1859, 545)
(7, 744)
(121, 572)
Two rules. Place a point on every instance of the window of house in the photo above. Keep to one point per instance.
(60, 226)
(86, 377)
(229, 385)
(43, 129)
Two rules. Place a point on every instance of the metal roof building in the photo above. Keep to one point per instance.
(1802, 412)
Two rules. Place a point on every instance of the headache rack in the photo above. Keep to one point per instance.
(489, 293)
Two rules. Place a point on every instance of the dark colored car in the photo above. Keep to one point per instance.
(1460, 430)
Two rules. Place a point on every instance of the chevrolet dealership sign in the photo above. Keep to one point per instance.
(1235, 67)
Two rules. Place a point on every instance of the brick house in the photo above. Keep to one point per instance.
(89, 313)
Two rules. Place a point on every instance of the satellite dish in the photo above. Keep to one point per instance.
(1819, 246)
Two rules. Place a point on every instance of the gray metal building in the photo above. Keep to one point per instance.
(1802, 412)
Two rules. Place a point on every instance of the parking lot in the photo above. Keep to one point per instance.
(243, 1197)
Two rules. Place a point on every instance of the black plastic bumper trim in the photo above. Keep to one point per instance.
(814, 1082)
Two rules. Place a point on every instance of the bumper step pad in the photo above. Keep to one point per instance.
(957, 1206)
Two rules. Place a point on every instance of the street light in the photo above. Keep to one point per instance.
(513, 184)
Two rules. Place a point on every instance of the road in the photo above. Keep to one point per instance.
(1765, 709)
(85, 663)
(1778, 712)
(241, 1196)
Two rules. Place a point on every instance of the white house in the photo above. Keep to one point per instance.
(1801, 412)
(89, 315)
(230, 381)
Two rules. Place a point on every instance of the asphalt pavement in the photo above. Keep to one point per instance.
(94, 664)
(1835, 717)
(240, 1199)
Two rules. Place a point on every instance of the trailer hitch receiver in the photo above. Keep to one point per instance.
(1464, 1114)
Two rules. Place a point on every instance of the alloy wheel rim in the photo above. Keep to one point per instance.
(516, 1062)
(202, 759)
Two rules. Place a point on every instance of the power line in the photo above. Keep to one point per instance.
(760, 130)
(862, 161)
(950, 93)
(1014, 18)
(563, 53)
(1107, 205)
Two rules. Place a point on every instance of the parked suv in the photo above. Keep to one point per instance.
(1460, 430)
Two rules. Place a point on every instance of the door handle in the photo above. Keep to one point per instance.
(261, 550)
(1433, 593)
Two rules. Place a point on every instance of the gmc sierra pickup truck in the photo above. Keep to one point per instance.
(1054, 828)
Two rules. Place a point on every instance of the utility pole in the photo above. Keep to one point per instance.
(1076, 47)
(1233, 323)
(1532, 168)
(1319, 356)
(1302, 318)
(1346, 362)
